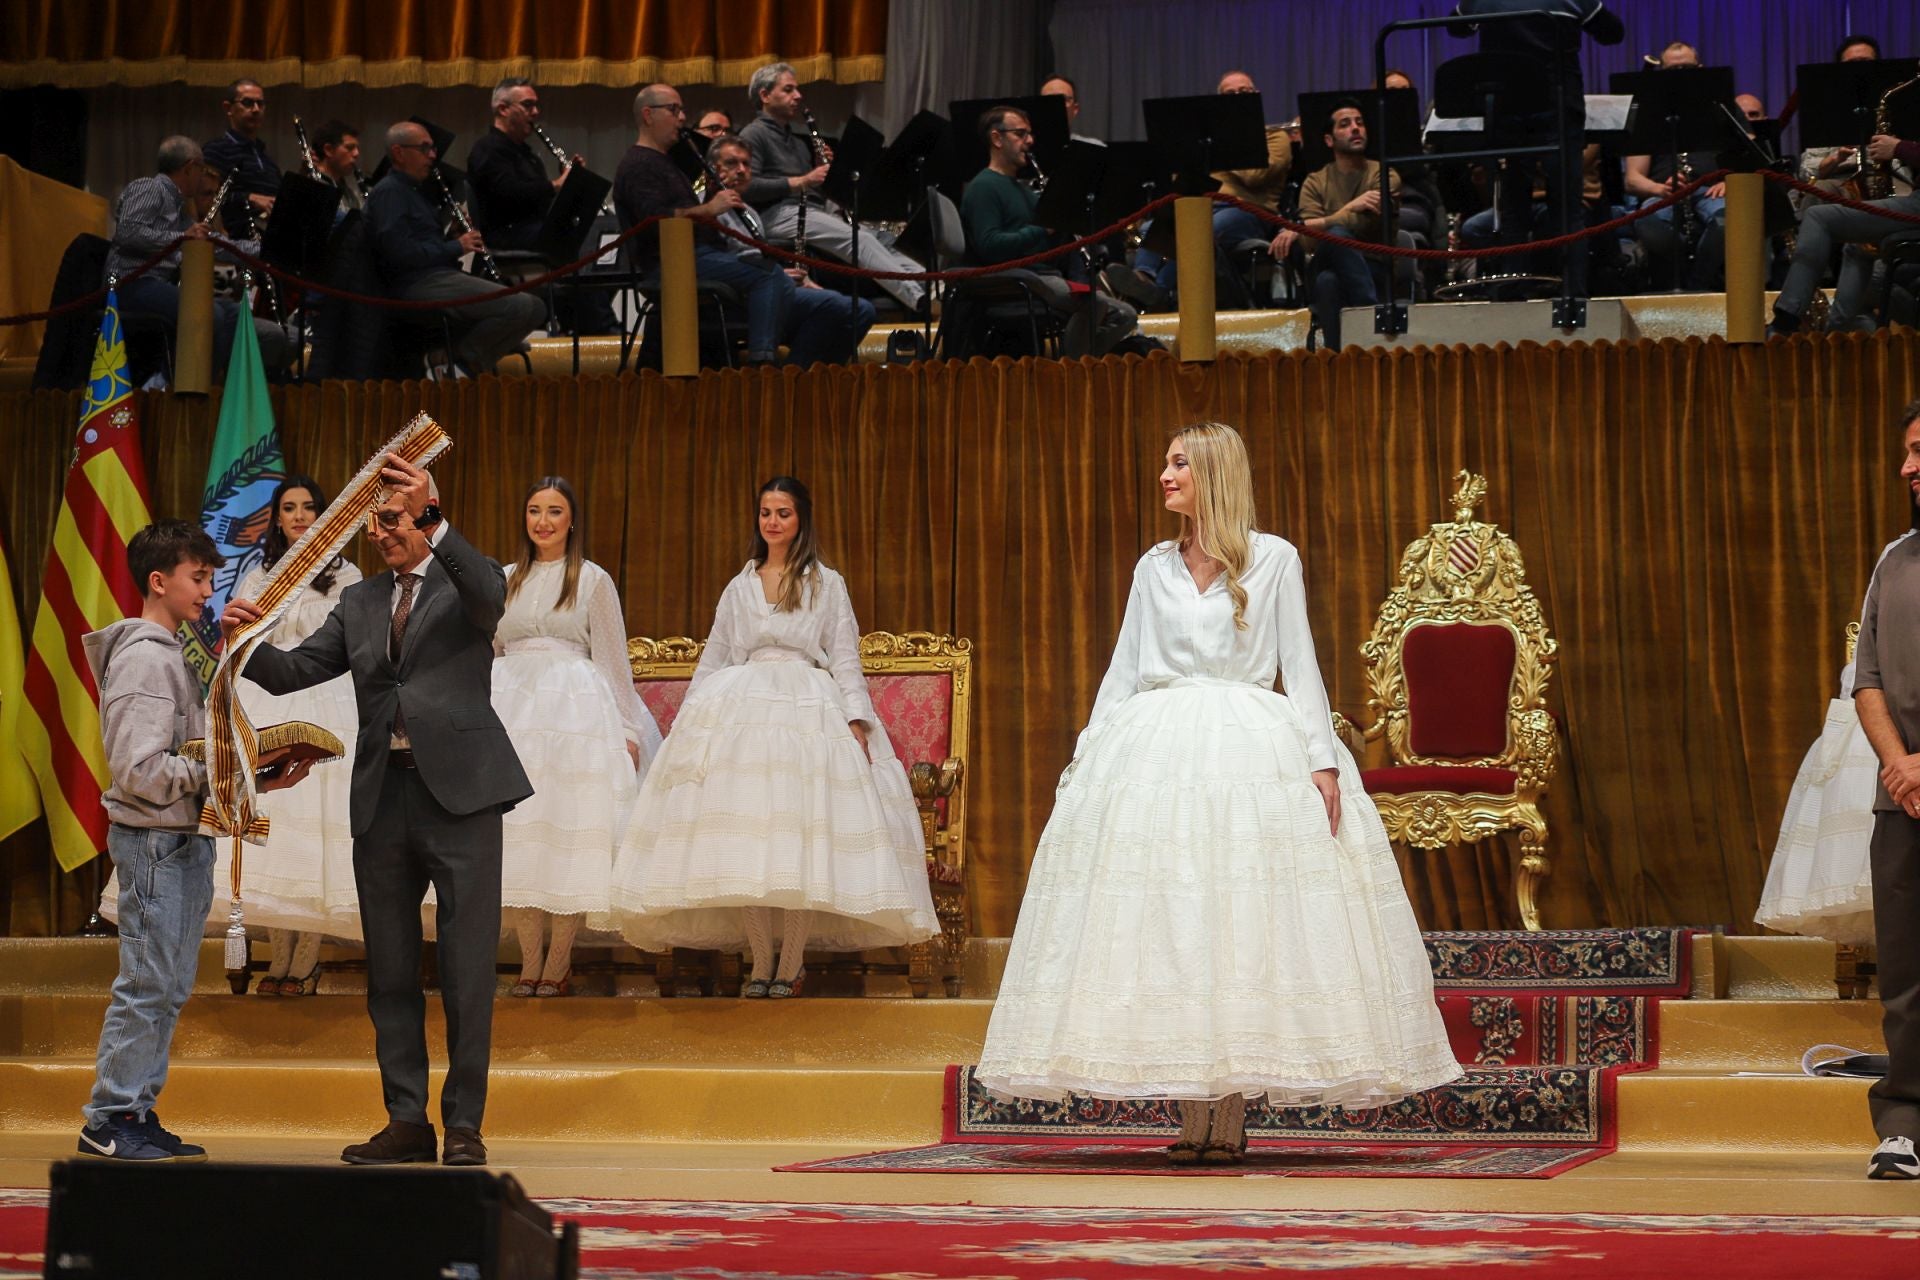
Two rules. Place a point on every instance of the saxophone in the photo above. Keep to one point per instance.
(1876, 180)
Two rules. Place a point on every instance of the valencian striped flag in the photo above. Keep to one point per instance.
(19, 794)
(241, 475)
(87, 585)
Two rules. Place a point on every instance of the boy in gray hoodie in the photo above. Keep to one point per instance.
(150, 703)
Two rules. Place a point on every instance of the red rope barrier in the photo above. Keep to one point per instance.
(958, 273)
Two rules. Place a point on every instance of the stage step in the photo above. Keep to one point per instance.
(774, 1033)
(1678, 1110)
(1774, 967)
(1762, 1035)
(564, 1100)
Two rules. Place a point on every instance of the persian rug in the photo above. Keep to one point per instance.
(657, 1239)
(1648, 962)
(1289, 1160)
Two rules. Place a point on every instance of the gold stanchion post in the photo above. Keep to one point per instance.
(1193, 250)
(193, 330)
(679, 315)
(1746, 259)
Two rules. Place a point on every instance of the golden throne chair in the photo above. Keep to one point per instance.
(922, 689)
(1457, 669)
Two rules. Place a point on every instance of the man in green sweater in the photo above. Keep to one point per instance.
(998, 215)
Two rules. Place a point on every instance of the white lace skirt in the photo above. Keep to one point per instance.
(302, 878)
(1191, 929)
(557, 845)
(1820, 882)
(761, 796)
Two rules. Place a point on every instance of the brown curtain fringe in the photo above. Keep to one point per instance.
(1698, 520)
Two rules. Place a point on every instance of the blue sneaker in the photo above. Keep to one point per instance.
(170, 1143)
(121, 1136)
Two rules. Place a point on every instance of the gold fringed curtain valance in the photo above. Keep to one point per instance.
(445, 43)
(1698, 521)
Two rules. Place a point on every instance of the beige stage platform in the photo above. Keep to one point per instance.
(634, 1096)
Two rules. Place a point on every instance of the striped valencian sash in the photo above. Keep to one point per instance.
(233, 745)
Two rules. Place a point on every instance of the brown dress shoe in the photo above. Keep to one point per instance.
(398, 1143)
(463, 1146)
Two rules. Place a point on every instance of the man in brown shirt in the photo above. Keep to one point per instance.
(1886, 692)
(1343, 199)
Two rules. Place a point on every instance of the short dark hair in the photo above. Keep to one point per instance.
(333, 133)
(233, 88)
(1908, 414)
(729, 140)
(1072, 88)
(1847, 42)
(996, 118)
(164, 544)
(1344, 104)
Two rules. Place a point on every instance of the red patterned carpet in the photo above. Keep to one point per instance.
(641, 1240)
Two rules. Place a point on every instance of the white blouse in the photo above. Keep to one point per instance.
(308, 613)
(592, 626)
(1174, 631)
(822, 630)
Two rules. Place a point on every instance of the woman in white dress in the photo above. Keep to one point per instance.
(1214, 911)
(1820, 882)
(777, 805)
(564, 691)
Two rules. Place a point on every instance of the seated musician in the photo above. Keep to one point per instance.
(240, 152)
(150, 214)
(714, 124)
(786, 172)
(1651, 178)
(998, 214)
(1342, 198)
(1060, 86)
(418, 260)
(822, 324)
(649, 184)
(512, 193)
(1832, 168)
(1826, 226)
(1265, 187)
(336, 151)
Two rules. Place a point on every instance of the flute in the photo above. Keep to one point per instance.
(487, 265)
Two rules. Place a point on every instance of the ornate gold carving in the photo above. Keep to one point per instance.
(1467, 571)
(672, 658)
(1853, 639)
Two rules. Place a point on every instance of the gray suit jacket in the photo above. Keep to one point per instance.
(443, 681)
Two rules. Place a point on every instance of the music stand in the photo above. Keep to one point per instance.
(1047, 116)
(1678, 110)
(900, 182)
(568, 218)
(296, 236)
(1133, 176)
(1400, 113)
(1838, 100)
(1066, 206)
(1207, 134)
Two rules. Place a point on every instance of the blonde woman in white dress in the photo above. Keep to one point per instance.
(1820, 882)
(1214, 912)
(564, 691)
(777, 807)
(300, 886)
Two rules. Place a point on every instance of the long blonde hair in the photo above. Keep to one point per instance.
(1223, 518)
(576, 538)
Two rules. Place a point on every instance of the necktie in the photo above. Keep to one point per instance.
(398, 634)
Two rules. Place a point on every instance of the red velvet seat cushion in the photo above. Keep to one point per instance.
(1459, 677)
(1456, 779)
(663, 699)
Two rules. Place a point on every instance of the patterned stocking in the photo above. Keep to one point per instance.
(282, 952)
(1195, 1118)
(306, 954)
(560, 949)
(793, 944)
(1229, 1121)
(760, 941)
(527, 925)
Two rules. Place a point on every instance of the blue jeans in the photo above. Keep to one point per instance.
(160, 299)
(1349, 267)
(826, 326)
(166, 887)
(762, 286)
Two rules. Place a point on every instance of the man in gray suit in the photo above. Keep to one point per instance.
(433, 772)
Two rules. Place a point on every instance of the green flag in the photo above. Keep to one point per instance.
(245, 466)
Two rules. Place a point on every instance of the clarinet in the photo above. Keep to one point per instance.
(554, 147)
(360, 180)
(488, 266)
(306, 152)
(219, 198)
(817, 148)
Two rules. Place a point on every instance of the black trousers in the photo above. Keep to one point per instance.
(413, 843)
(1895, 1100)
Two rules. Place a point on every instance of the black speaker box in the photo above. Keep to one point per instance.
(298, 1222)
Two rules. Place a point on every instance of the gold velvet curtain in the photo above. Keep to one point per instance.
(1699, 521)
(380, 43)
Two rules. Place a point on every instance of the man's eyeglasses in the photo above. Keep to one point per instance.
(249, 103)
(671, 108)
(1016, 133)
(416, 146)
(384, 521)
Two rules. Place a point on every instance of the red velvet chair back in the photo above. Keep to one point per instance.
(1459, 687)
